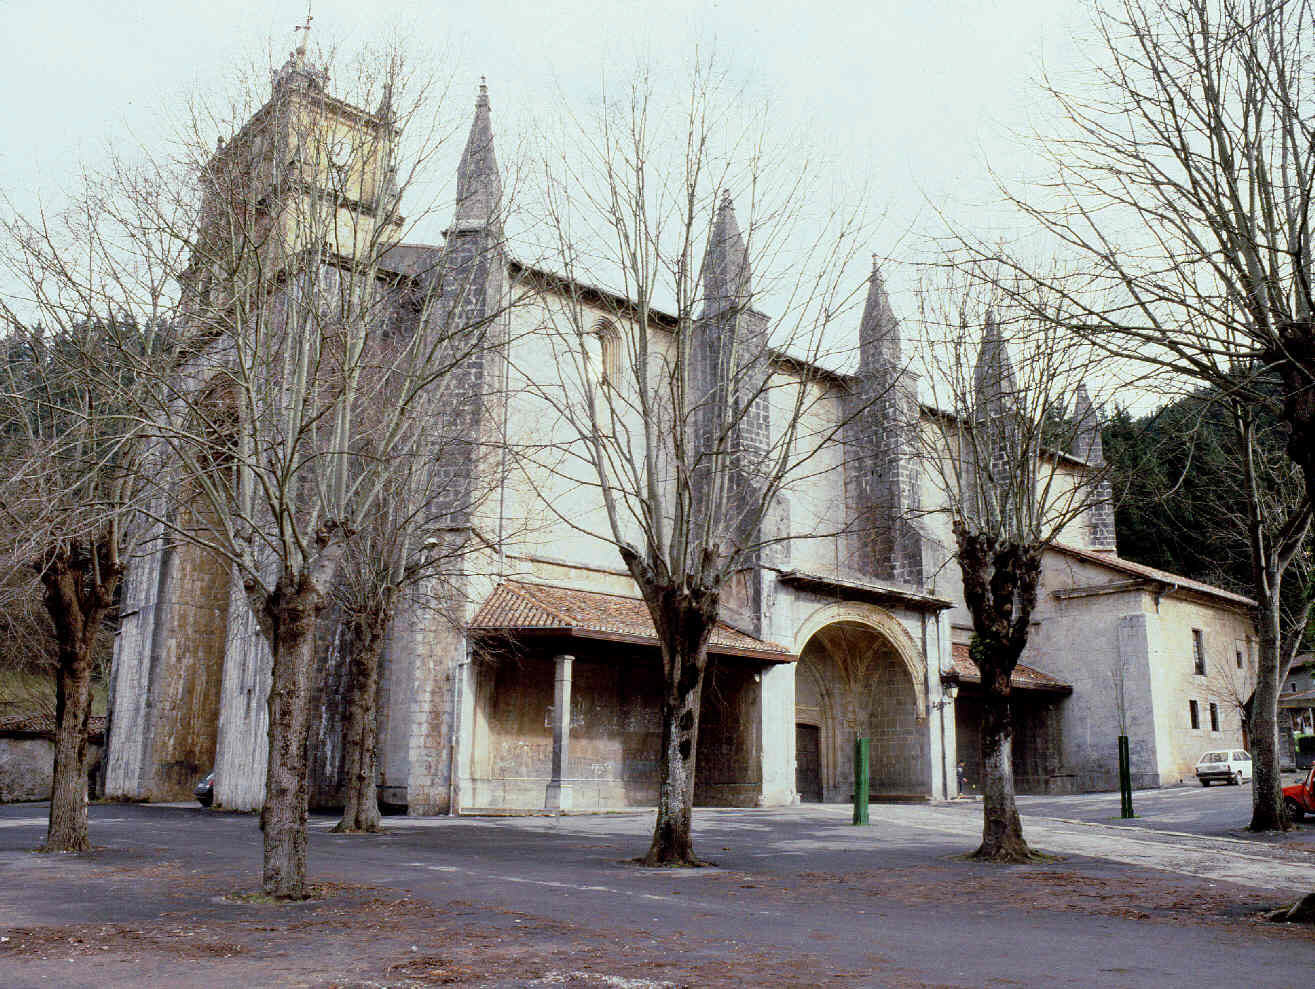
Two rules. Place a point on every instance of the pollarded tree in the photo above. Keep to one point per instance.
(314, 361)
(1182, 182)
(680, 404)
(400, 559)
(85, 286)
(1013, 475)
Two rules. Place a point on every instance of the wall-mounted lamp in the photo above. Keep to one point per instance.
(950, 684)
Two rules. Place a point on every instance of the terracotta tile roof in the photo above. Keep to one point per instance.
(1151, 573)
(44, 726)
(516, 606)
(1024, 678)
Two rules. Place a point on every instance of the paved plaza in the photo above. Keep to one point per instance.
(797, 897)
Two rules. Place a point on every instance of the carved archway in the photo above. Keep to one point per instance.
(881, 622)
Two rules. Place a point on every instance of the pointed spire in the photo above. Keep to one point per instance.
(385, 111)
(879, 330)
(479, 186)
(726, 274)
(993, 377)
(1087, 444)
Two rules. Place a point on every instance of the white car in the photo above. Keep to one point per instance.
(1224, 765)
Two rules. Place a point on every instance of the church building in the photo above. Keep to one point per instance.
(536, 684)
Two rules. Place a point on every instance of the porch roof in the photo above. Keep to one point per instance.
(517, 607)
(31, 725)
(1024, 677)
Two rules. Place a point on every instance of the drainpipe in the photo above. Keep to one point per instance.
(1163, 589)
(940, 704)
(502, 453)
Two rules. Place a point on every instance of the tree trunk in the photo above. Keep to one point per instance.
(1296, 363)
(360, 732)
(291, 612)
(672, 840)
(1002, 830)
(78, 593)
(67, 830)
(1301, 912)
(1000, 580)
(1267, 812)
(684, 617)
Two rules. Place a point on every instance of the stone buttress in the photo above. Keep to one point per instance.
(728, 421)
(1087, 446)
(465, 309)
(889, 544)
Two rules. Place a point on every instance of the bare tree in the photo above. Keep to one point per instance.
(1277, 525)
(679, 405)
(1227, 486)
(1014, 467)
(86, 285)
(312, 363)
(400, 558)
(1182, 185)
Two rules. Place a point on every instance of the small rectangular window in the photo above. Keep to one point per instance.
(1239, 659)
(1194, 712)
(1214, 716)
(1198, 651)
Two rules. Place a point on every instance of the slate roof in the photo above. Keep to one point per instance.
(1024, 678)
(517, 606)
(1151, 573)
(43, 726)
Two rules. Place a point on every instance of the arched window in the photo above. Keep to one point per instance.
(603, 352)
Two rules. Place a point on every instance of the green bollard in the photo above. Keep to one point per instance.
(860, 781)
(1125, 779)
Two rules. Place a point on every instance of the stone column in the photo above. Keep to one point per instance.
(559, 789)
(776, 730)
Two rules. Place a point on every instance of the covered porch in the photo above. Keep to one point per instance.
(565, 705)
(1036, 700)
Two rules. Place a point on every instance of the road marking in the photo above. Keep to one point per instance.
(683, 901)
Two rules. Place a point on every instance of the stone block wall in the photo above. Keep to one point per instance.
(27, 767)
(616, 732)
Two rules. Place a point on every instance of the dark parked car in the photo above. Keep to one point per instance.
(205, 790)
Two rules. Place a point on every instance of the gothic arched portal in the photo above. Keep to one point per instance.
(855, 680)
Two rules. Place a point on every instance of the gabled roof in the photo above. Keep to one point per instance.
(1024, 677)
(519, 607)
(1174, 581)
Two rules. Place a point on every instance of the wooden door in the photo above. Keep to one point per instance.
(808, 762)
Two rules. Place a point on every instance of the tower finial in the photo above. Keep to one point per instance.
(305, 38)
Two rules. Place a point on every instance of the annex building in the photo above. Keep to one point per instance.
(536, 684)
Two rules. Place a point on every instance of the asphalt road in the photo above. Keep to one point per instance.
(798, 897)
(1194, 809)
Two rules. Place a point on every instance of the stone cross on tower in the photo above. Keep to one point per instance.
(305, 38)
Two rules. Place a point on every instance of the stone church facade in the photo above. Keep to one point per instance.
(535, 684)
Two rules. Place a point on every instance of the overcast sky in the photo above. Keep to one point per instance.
(916, 99)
